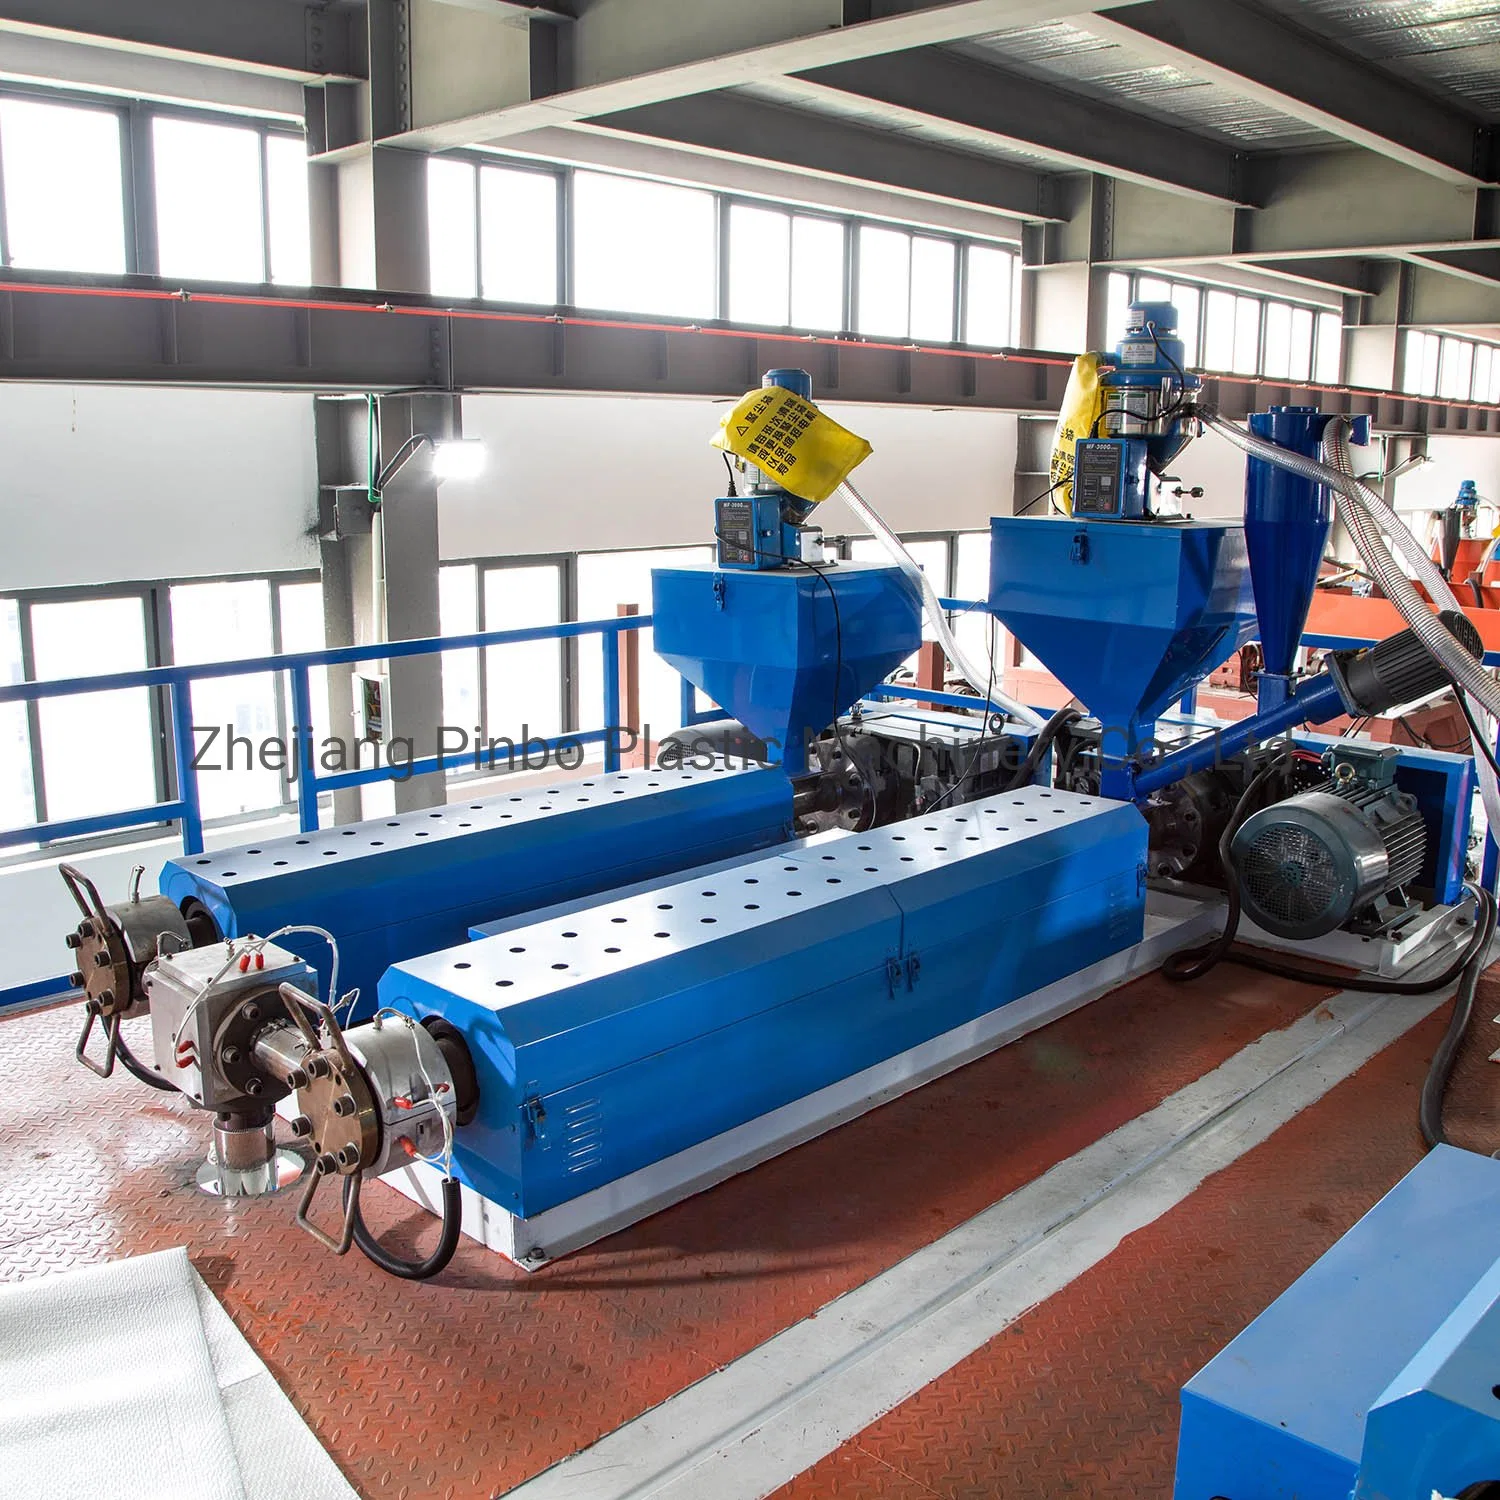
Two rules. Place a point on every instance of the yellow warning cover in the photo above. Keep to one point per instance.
(1082, 406)
(801, 448)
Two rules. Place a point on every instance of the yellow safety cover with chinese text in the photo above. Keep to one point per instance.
(1082, 406)
(788, 439)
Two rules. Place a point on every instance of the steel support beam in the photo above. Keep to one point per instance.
(750, 130)
(1261, 56)
(989, 107)
(1333, 203)
(270, 36)
(633, 53)
(103, 331)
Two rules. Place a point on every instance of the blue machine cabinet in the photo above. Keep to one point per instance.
(613, 1037)
(393, 887)
(1374, 1375)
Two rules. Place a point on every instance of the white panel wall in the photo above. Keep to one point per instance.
(571, 473)
(1452, 460)
(104, 484)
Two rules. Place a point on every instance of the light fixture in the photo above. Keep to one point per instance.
(452, 458)
(458, 458)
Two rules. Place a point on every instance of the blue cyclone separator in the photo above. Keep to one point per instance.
(1373, 1376)
(610, 1038)
(391, 888)
(785, 652)
(1126, 614)
(1287, 520)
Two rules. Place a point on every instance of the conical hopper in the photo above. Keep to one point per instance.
(785, 652)
(1127, 616)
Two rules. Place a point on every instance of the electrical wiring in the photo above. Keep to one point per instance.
(984, 733)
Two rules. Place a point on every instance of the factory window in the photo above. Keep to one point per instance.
(1236, 333)
(1452, 369)
(906, 285)
(64, 199)
(605, 581)
(233, 716)
(644, 247)
(231, 204)
(17, 793)
(97, 748)
(452, 228)
(517, 236)
(977, 631)
(300, 620)
(458, 614)
(786, 270)
(523, 682)
(502, 691)
(989, 296)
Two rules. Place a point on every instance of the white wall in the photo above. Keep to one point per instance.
(103, 484)
(571, 473)
(1452, 460)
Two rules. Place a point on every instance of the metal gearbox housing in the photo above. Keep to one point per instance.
(210, 1009)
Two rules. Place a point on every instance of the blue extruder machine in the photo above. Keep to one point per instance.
(581, 981)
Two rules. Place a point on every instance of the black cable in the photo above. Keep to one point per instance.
(730, 467)
(1479, 739)
(1193, 963)
(867, 790)
(1050, 490)
(413, 1270)
(132, 1065)
(984, 733)
(1440, 1070)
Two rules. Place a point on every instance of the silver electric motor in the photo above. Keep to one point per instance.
(1340, 854)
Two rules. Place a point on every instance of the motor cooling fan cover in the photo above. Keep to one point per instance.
(1307, 865)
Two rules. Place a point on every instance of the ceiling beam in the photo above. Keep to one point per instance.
(632, 53)
(746, 129)
(304, 42)
(990, 107)
(1260, 56)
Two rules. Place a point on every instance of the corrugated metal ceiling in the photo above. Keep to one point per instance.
(1067, 53)
(1450, 46)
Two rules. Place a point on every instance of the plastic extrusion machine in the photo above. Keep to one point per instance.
(595, 996)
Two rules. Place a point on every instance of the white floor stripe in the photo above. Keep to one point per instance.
(749, 1428)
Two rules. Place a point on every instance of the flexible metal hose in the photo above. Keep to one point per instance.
(981, 682)
(1370, 520)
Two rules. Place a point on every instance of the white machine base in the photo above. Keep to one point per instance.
(1173, 920)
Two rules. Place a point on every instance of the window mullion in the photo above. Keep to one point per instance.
(139, 191)
(4, 218)
(265, 206)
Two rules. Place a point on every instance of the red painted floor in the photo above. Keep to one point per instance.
(467, 1386)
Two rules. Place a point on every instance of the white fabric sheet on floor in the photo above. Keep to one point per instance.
(129, 1380)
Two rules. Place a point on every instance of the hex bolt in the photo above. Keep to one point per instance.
(326, 1164)
(230, 1056)
(344, 1105)
(254, 1087)
(348, 1156)
(106, 997)
(73, 940)
(297, 1079)
(301, 1125)
(250, 1012)
(101, 960)
(317, 1067)
(76, 978)
(86, 929)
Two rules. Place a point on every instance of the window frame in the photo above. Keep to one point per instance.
(1195, 356)
(156, 614)
(137, 166)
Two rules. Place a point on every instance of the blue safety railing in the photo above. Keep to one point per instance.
(186, 808)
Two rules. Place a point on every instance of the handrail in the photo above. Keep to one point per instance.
(186, 808)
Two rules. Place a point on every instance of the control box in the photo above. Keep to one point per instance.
(748, 529)
(1111, 479)
(752, 535)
